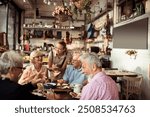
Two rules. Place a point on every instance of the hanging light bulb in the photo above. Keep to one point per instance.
(65, 4)
(49, 3)
(54, 3)
(70, 3)
(45, 1)
(24, 0)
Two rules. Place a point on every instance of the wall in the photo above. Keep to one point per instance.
(12, 31)
(3, 17)
(140, 64)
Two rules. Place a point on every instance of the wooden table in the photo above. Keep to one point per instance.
(118, 73)
(60, 90)
(58, 93)
(61, 94)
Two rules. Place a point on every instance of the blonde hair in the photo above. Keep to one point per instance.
(34, 54)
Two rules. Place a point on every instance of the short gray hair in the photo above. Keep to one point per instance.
(10, 59)
(91, 58)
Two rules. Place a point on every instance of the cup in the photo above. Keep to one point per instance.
(40, 86)
(77, 88)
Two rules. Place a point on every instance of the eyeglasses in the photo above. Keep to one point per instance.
(60, 49)
(74, 60)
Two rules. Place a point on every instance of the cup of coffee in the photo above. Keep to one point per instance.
(77, 88)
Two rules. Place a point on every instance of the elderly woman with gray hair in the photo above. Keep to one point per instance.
(35, 70)
(101, 86)
(11, 65)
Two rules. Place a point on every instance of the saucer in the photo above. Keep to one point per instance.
(50, 85)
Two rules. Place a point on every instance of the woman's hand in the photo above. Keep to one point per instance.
(26, 79)
(55, 67)
(36, 80)
(56, 73)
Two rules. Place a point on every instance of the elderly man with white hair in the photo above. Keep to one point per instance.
(101, 86)
(73, 73)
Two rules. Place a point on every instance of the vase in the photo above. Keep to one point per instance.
(62, 17)
(128, 9)
(81, 4)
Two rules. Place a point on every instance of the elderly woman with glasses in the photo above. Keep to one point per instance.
(35, 70)
(11, 65)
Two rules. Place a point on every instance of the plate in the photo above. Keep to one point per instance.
(37, 93)
(64, 84)
(50, 85)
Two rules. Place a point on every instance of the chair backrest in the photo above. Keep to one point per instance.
(133, 84)
(111, 68)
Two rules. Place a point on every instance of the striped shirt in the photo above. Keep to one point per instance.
(101, 87)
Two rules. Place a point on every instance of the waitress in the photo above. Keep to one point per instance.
(59, 60)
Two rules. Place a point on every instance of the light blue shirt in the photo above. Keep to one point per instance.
(73, 75)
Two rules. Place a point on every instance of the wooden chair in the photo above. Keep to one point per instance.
(113, 77)
(131, 87)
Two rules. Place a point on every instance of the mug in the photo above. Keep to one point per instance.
(77, 88)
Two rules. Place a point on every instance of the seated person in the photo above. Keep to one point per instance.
(11, 65)
(35, 70)
(73, 73)
(101, 86)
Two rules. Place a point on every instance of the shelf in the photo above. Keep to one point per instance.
(100, 41)
(123, 1)
(43, 28)
(133, 19)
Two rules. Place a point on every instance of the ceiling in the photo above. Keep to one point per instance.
(45, 10)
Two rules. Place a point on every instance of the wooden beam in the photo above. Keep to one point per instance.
(32, 3)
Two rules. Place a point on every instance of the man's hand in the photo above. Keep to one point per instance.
(73, 94)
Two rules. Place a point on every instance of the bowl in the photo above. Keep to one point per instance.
(50, 85)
